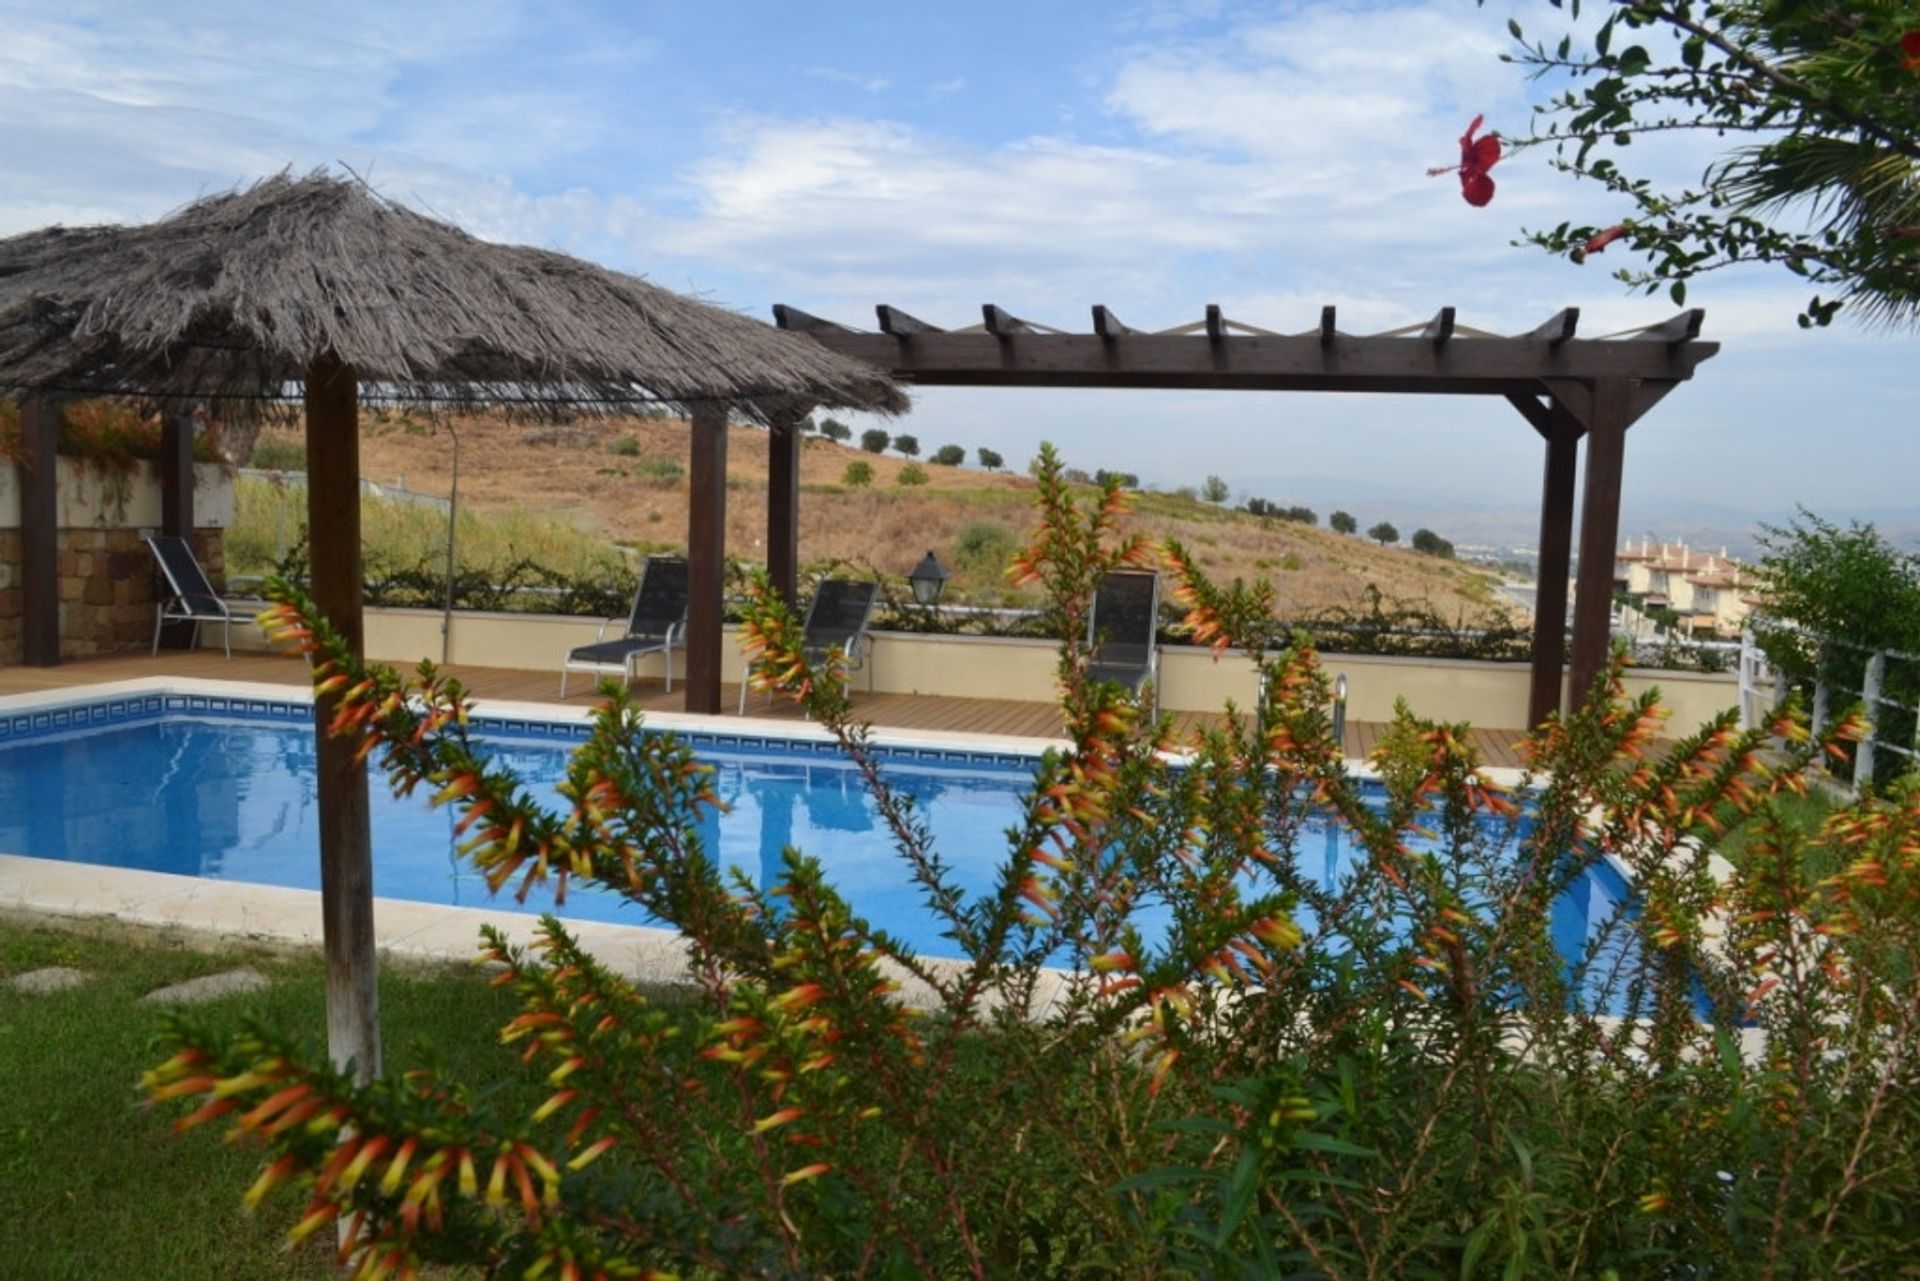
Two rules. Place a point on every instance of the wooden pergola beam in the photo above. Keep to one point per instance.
(1106, 325)
(1327, 330)
(899, 324)
(1559, 328)
(1440, 329)
(1538, 416)
(1001, 323)
(792, 318)
(1255, 362)
(1674, 331)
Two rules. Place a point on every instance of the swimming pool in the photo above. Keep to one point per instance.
(222, 788)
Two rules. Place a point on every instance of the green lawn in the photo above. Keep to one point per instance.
(93, 1185)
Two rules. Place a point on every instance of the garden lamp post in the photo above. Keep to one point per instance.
(928, 579)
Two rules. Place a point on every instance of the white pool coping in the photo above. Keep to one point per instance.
(512, 709)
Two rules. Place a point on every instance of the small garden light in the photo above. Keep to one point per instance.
(928, 578)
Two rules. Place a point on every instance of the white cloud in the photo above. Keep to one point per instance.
(859, 80)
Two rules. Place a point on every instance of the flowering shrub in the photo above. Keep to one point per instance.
(1388, 1072)
(112, 435)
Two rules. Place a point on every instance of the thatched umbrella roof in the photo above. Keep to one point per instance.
(235, 295)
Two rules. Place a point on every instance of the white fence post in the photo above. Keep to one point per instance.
(1752, 664)
(1870, 699)
(1822, 696)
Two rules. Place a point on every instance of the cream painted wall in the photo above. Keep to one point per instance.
(1491, 695)
(88, 500)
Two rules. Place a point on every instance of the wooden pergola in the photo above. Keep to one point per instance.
(1564, 386)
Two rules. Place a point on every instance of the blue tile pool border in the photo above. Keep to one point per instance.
(69, 718)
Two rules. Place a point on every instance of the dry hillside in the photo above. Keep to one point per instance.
(624, 478)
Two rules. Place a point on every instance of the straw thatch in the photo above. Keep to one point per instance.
(234, 296)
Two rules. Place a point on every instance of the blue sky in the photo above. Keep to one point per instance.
(1153, 156)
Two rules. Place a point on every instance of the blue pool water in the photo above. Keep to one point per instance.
(224, 789)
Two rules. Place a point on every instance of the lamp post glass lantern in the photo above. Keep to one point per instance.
(928, 579)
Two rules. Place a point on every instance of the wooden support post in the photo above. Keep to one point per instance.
(1550, 581)
(1599, 533)
(39, 532)
(346, 846)
(176, 499)
(706, 556)
(784, 441)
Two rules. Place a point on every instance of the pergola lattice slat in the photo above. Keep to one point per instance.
(1566, 387)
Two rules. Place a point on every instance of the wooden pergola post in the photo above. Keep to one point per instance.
(784, 441)
(1599, 532)
(706, 555)
(1561, 431)
(40, 532)
(176, 498)
(346, 844)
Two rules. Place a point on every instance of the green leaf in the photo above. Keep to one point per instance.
(1693, 52)
(1164, 1177)
(1476, 1246)
(1635, 61)
(1513, 26)
(1327, 1143)
(1244, 1185)
(1678, 292)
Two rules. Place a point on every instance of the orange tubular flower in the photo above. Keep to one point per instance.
(804, 1173)
(775, 1120)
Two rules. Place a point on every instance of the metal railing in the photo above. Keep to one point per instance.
(1761, 689)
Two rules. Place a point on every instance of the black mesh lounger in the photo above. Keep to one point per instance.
(658, 619)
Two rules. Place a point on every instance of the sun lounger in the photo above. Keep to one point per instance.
(1124, 630)
(656, 623)
(190, 597)
(837, 619)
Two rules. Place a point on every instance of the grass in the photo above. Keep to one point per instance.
(269, 519)
(94, 1185)
(1802, 814)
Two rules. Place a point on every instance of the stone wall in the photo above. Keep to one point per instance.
(107, 577)
(107, 590)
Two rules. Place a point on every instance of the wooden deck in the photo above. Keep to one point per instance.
(884, 711)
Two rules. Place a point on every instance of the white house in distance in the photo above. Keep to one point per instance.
(1711, 593)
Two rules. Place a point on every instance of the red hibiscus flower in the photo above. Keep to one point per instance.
(1910, 46)
(1477, 155)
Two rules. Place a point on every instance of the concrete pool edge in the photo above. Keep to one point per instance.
(521, 710)
(241, 912)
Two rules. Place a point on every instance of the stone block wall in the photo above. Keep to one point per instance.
(108, 582)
